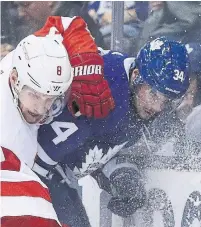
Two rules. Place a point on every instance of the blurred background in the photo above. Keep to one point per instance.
(143, 20)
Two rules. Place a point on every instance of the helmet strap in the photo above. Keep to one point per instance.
(15, 93)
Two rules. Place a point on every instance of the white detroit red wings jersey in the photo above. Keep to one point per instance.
(25, 199)
(16, 135)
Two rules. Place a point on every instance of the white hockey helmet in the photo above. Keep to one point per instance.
(42, 64)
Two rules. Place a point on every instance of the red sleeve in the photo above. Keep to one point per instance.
(76, 37)
(25, 200)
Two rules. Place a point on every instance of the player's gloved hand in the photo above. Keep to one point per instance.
(90, 93)
(128, 192)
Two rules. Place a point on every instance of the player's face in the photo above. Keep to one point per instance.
(34, 105)
(149, 102)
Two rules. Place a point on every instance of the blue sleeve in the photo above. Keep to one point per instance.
(116, 75)
(66, 134)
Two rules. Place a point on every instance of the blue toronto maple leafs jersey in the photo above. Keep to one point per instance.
(77, 141)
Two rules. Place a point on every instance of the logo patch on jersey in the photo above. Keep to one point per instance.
(87, 70)
(95, 159)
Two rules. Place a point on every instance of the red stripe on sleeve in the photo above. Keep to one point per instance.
(25, 188)
(28, 221)
(11, 161)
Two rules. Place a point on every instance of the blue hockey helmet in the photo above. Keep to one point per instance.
(164, 65)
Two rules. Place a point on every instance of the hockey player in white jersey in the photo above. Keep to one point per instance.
(30, 86)
(37, 81)
(36, 78)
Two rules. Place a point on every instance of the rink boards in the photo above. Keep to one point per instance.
(174, 195)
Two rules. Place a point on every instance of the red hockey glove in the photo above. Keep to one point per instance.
(90, 92)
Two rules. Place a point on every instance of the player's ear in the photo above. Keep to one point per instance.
(134, 74)
(13, 77)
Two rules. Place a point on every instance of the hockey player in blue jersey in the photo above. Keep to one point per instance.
(142, 87)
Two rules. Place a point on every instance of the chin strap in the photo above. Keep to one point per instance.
(15, 94)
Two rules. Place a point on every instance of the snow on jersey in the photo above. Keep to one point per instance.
(17, 135)
(87, 144)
